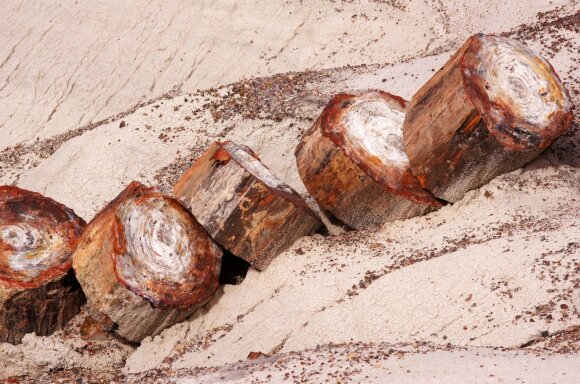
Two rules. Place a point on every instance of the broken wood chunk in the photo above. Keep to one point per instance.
(145, 263)
(353, 163)
(38, 289)
(491, 109)
(243, 205)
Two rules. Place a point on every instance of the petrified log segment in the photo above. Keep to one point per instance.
(353, 163)
(38, 290)
(242, 205)
(145, 263)
(491, 109)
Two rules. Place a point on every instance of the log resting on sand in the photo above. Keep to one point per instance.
(491, 109)
(145, 263)
(243, 205)
(353, 163)
(38, 289)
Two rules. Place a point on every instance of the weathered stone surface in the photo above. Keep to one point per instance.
(353, 163)
(492, 108)
(243, 205)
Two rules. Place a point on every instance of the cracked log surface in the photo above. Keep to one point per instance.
(145, 263)
(352, 161)
(492, 108)
(38, 290)
(243, 205)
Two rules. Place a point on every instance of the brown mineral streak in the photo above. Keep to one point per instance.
(392, 179)
(47, 213)
(248, 225)
(435, 91)
(341, 181)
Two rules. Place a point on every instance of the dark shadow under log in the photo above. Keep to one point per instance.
(38, 289)
(234, 269)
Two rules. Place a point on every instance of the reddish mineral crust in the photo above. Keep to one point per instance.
(369, 130)
(517, 93)
(37, 238)
(145, 263)
(162, 254)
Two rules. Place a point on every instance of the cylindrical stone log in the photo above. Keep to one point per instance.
(491, 109)
(243, 205)
(38, 289)
(145, 263)
(353, 163)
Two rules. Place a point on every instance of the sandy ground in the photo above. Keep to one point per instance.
(499, 269)
(369, 363)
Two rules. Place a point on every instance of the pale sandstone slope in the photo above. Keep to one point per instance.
(366, 363)
(65, 65)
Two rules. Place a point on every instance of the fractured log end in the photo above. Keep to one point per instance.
(38, 289)
(353, 163)
(145, 263)
(517, 92)
(243, 205)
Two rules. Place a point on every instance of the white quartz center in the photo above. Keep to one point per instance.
(515, 77)
(157, 240)
(33, 250)
(376, 128)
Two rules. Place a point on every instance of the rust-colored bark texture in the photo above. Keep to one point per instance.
(243, 205)
(353, 163)
(38, 289)
(492, 108)
(145, 263)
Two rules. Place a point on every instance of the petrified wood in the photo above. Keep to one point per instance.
(353, 163)
(242, 205)
(38, 290)
(492, 108)
(145, 263)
